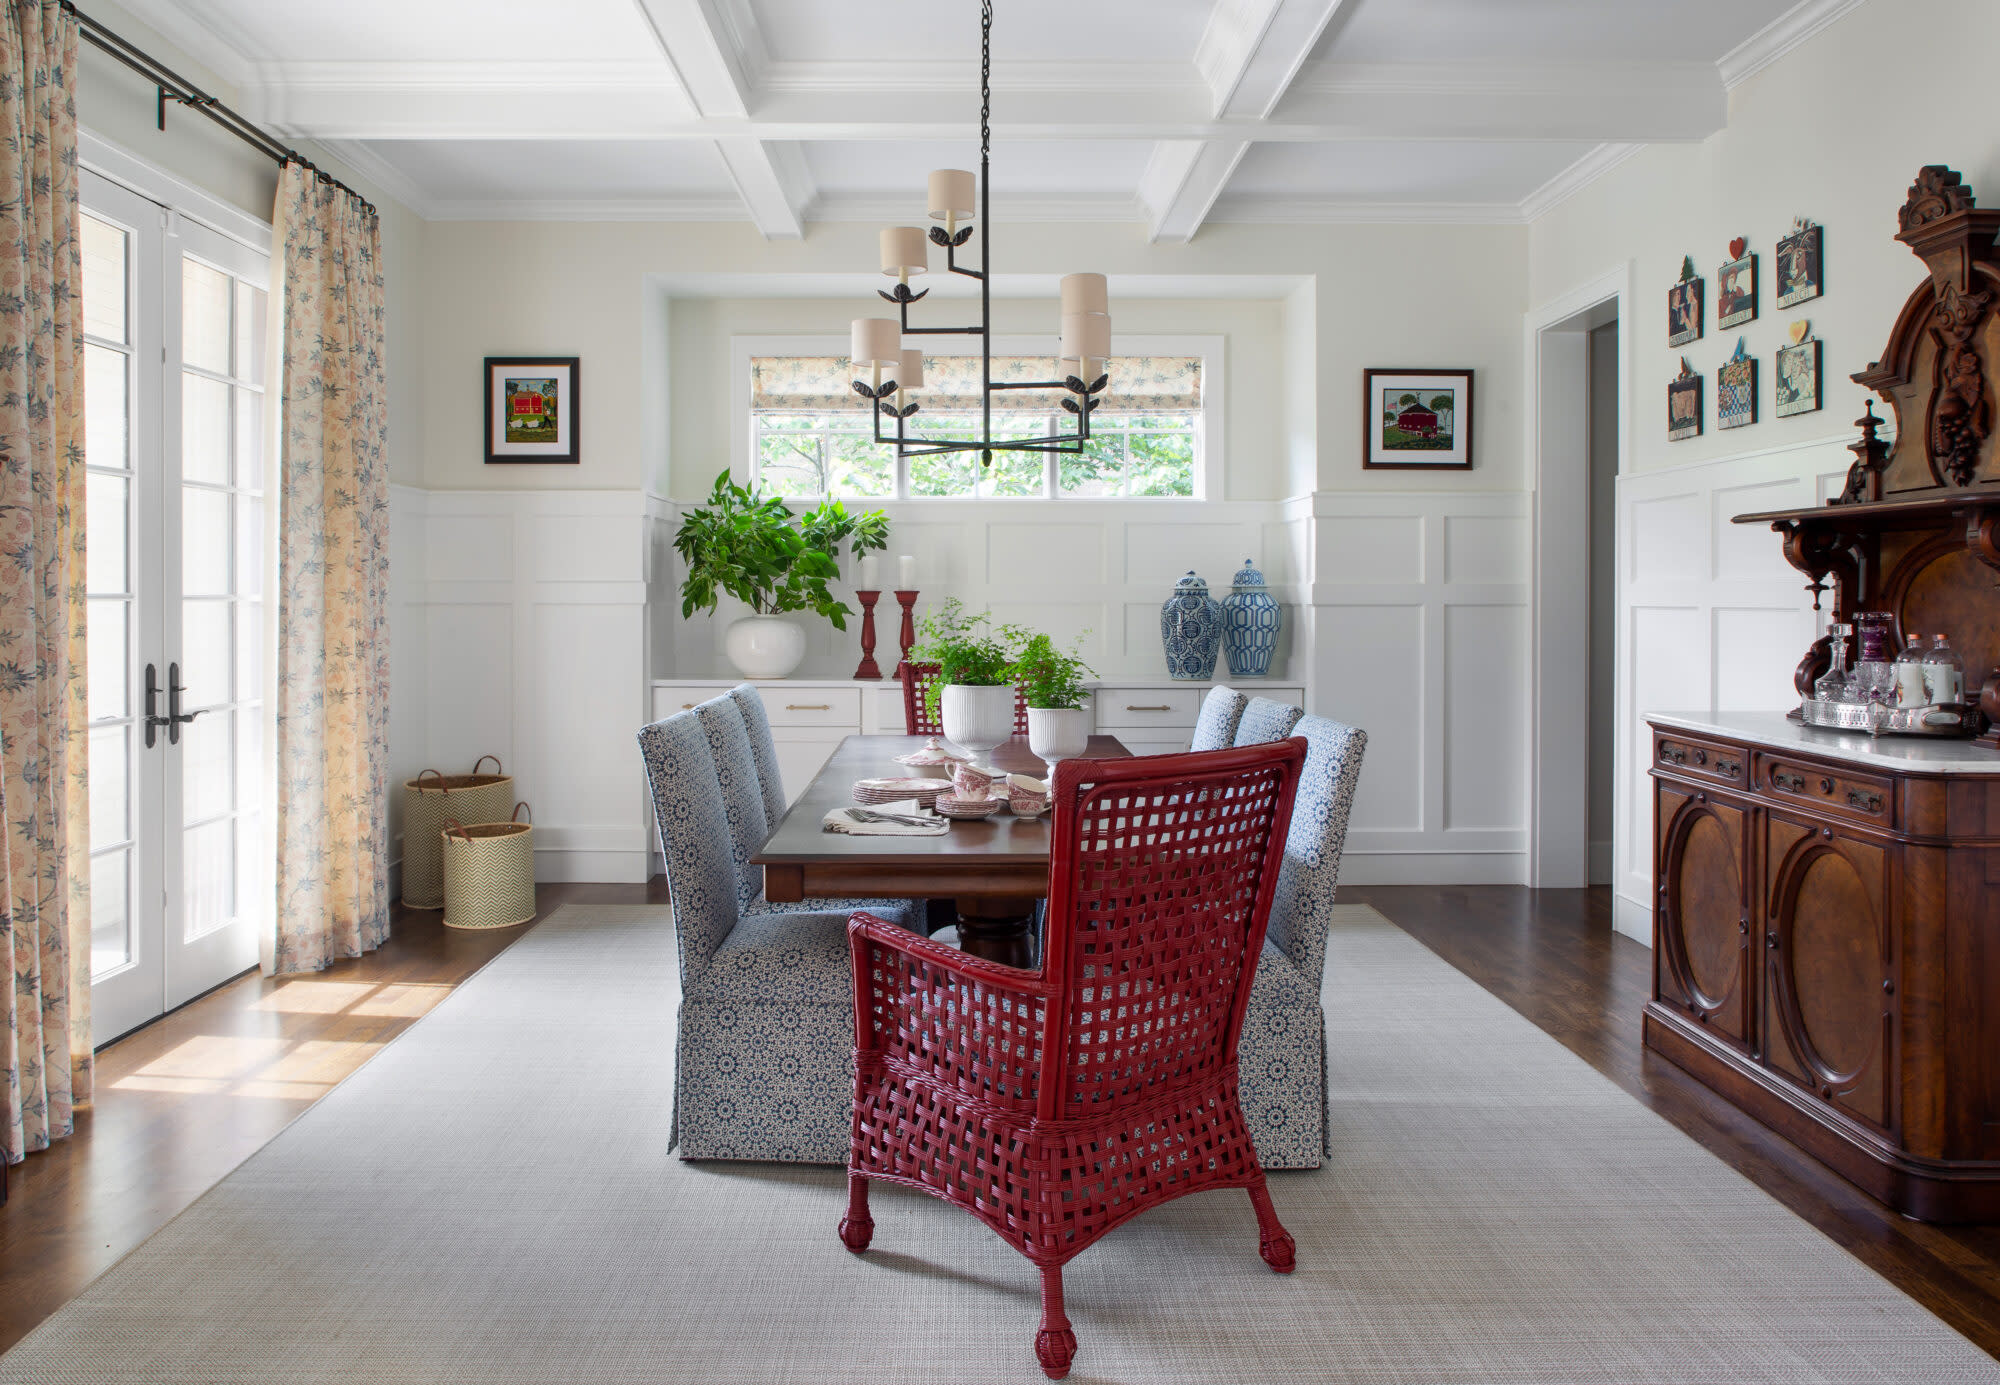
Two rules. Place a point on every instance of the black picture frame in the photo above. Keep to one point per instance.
(1684, 312)
(1736, 293)
(564, 375)
(1684, 399)
(1381, 452)
(1801, 267)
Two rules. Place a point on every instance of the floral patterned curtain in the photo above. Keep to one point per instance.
(45, 1061)
(817, 384)
(331, 528)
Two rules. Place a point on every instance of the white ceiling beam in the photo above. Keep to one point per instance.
(1181, 182)
(705, 41)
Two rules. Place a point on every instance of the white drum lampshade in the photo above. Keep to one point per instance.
(953, 191)
(904, 251)
(1084, 293)
(910, 370)
(876, 341)
(1086, 336)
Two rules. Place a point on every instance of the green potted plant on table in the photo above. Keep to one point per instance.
(754, 548)
(973, 695)
(1051, 681)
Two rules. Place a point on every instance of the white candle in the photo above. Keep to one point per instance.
(906, 573)
(871, 573)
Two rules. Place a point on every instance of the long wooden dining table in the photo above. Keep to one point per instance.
(994, 869)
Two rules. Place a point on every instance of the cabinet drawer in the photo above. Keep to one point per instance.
(668, 700)
(1711, 760)
(1840, 793)
(830, 707)
(1134, 708)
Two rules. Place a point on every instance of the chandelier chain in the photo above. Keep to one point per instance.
(985, 78)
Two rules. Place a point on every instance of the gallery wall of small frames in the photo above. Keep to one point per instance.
(1799, 265)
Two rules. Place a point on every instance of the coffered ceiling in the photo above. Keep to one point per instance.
(1170, 113)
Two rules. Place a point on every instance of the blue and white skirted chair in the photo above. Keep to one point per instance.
(1215, 728)
(764, 1064)
(1282, 1058)
(1265, 720)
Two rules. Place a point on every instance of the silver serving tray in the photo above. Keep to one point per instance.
(1957, 722)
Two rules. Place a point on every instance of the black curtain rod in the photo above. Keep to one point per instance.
(171, 86)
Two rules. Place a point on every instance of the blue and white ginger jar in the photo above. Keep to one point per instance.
(1191, 629)
(1250, 624)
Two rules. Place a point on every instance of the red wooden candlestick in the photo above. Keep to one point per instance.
(908, 601)
(868, 668)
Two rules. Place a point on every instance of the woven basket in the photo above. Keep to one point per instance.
(489, 873)
(429, 801)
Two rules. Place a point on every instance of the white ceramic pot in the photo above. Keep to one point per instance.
(1058, 733)
(764, 646)
(977, 720)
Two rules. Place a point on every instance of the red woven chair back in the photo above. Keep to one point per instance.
(1162, 872)
(919, 722)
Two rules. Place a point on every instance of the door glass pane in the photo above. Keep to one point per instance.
(210, 872)
(207, 777)
(250, 545)
(105, 402)
(249, 332)
(249, 440)
(110, 911)
(110, 786)
(249, 651)
(249, 757)
(204, 317)
(109, 646)
(205, 542)
(204, 430)
(106, 515)
(104, 250)
(205, 653)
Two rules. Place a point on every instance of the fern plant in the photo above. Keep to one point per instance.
(754, 548)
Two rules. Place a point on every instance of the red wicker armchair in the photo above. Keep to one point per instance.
(917, 720)
(1056, 1104)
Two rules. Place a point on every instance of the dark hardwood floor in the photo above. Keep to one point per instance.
(1552, 956)
(182, 1102)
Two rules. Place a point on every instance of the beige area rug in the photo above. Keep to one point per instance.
(491, 1200)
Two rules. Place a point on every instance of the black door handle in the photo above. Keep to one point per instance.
(154, 721)
(175, 716)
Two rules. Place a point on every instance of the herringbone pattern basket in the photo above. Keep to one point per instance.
(429, 802)
(489, 873)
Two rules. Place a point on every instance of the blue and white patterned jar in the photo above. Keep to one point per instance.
(1191, 629)
(1250, 624)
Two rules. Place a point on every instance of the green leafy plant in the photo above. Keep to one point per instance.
(1048, 677)
(754, 548)
(968, 649)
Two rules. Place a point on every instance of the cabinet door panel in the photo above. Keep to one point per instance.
(1704, 917)
(1829, 968)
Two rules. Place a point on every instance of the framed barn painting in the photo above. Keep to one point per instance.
(1416, 420)
(531, 409)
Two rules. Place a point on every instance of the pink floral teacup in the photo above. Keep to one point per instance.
(972, 782)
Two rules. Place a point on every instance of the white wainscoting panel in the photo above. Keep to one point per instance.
(1711, 617)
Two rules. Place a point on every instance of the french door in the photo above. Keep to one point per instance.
(175, 329)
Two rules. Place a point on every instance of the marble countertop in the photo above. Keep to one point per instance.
(1909, 754)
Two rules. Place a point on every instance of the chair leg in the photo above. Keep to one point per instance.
(1055, 1344)
(1274, 1243)
(857, 1228)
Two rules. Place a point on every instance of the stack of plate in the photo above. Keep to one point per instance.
(869, 792)
(952, 806)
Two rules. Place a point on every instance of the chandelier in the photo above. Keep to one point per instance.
(877, 342)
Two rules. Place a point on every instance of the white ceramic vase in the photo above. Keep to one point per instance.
(1058, 733)
(764, 646)
(977, 720)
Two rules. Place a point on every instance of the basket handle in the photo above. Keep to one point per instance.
(516, 815)
(497, 767)
(454, 826)
(419, 780)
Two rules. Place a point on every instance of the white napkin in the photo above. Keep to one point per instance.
(903, 818)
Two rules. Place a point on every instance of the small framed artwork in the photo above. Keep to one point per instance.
(1684, 405)
(1416, 420)
(1736, 390)
(1684, 306)
(1801, 264)
(531, 409)
(1736, 288)
(1796, 390)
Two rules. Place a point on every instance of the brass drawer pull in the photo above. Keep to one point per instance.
(808, 706)
(1795, 782)
(1866, 802)
(686, 705)
(1130, 708)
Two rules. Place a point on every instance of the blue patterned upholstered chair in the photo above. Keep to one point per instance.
(744, 802)
(764, 1065)
(1282, 1059)
(1265, 720)
(1215, 728)
(751, 703)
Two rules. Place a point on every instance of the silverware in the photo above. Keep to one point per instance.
(870, 815)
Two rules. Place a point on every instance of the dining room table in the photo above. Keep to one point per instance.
(993, 869)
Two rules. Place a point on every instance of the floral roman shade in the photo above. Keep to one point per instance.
(823, 384)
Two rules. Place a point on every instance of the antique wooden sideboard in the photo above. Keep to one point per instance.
(1827, 907)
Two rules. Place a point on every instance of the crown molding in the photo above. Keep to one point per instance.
(636, 209)
(204, 36)
(1310, 212)
(652, 74)
(1575, 178)
(1778, 38)
(366, 163)
(1491, 79)
(1053, 208)
(962, 78)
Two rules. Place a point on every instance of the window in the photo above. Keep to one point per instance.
(811, 435)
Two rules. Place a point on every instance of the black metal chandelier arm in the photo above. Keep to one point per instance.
(945, 331)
